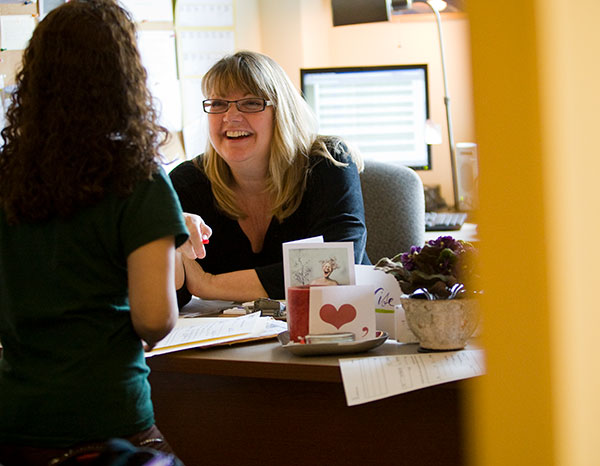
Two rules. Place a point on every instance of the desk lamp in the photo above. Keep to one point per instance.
(365, 11)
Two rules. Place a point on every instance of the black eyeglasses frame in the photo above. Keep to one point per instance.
(208, 102)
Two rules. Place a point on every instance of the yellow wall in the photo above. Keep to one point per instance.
(513, 423)
(536, 71)
(569, 43)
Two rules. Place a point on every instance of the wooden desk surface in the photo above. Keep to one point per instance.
(267, 359)
(256, 404)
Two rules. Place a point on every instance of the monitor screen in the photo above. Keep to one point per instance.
(382, 110)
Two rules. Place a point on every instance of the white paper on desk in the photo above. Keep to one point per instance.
(15, 31)
(198, 307)
(375, 378)
(207, 331)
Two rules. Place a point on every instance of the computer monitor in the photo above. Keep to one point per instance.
(380, 109)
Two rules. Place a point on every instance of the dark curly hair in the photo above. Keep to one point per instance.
(81, 122)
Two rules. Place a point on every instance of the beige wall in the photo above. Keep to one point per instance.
(299, 34)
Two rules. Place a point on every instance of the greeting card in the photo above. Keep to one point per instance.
(335, 309)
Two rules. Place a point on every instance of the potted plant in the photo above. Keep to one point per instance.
(439, 285)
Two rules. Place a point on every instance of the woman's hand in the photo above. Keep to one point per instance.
(193, 248)
(147, 347)
(200, 232)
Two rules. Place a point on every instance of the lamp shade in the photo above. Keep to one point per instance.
(360, 11)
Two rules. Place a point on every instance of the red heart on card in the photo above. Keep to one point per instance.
(337, 317)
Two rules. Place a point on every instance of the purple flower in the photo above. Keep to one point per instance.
(438, 269)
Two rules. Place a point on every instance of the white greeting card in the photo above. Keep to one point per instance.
(389, 315)
(334, 309)
(308, 262)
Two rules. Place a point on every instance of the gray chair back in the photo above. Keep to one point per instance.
(394, 209)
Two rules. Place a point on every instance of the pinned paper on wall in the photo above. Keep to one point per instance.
(205, 34)
(199, 50)
(15, 31)
(149, 10)
(158, 53)
(204, 13)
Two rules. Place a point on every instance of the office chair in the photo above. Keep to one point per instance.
(394, 203)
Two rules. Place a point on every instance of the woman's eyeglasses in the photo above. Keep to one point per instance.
(250, 105)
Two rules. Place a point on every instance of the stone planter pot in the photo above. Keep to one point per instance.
(443, 324)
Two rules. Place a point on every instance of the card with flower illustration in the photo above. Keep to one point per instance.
(314, 263)
(334, 309)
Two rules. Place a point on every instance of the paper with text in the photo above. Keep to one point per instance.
(208, 331)
(206, 13)
(375, 378)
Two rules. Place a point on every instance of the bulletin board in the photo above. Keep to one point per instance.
(178, 41)
(10, 60)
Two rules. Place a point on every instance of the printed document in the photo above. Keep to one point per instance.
(209, 331)
(374, 378)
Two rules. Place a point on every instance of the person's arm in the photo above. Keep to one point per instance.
(150, 272)
(240, 286)
(193, 248)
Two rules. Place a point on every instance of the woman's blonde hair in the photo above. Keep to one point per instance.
(294, 136)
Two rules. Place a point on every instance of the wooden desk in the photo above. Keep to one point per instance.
(257, 404)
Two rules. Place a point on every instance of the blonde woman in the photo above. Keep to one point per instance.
(266, 178)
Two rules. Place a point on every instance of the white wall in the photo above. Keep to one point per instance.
(247, 25)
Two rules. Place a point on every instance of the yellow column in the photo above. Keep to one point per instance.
(513, 415)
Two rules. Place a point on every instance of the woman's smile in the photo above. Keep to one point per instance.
(238, 136)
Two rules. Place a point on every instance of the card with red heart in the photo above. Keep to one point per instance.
(334, 309)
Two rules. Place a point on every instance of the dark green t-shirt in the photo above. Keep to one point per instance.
(72, 366)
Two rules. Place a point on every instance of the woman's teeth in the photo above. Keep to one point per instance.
(236, 134)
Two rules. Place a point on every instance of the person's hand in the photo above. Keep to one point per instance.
(147, 347)
(200, 232)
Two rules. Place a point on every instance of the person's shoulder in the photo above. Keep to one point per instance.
(188, 173)
(187, 167)
(338, 150)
